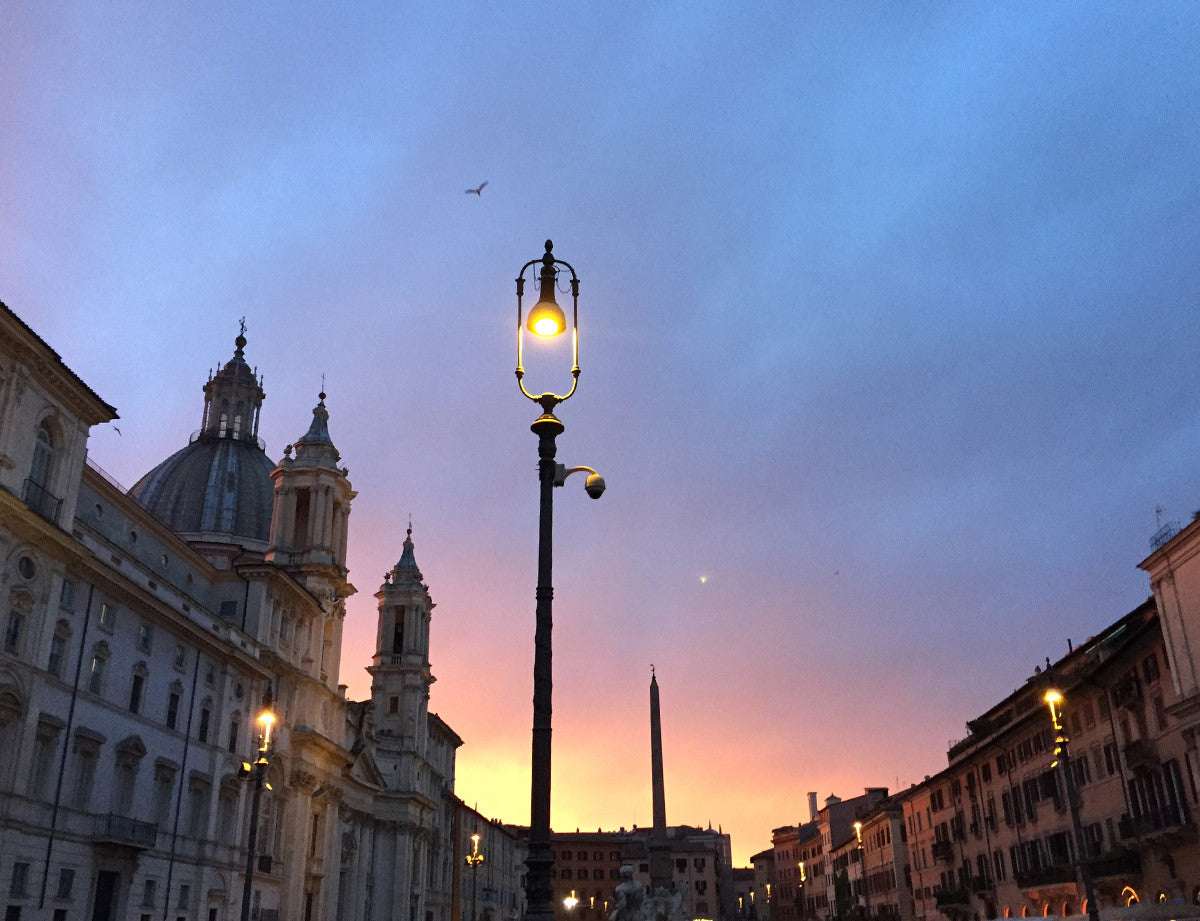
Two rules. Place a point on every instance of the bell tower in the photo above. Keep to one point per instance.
(309, 521)
(400, 672)
(312, 501)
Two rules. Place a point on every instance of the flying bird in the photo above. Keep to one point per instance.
(479, 190)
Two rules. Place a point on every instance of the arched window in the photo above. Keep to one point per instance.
(11, 708)
(98, 668)
(43, 457)
(20, 604)
(59, 643)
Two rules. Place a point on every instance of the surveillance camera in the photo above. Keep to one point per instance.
(594, 485)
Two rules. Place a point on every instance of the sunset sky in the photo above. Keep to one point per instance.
(889, 338)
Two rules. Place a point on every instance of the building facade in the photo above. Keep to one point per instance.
(144, 632)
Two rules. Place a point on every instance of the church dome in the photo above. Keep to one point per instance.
(214, 485)
(220, 483)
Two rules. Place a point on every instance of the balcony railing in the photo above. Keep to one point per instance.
(1045, 876)
(1141, 753)
(118, 829)
(942, 850)
(980, 884)
(1157, 821)
(42, 501)
(948, 897)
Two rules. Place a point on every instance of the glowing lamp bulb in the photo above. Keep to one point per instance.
(266, 720)
(546, 320)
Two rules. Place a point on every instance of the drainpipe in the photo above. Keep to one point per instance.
(62, 761)
(187, 743)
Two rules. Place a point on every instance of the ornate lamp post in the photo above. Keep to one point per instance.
(1083, 874)
(257, 772)
(546, 319)
(474, 859)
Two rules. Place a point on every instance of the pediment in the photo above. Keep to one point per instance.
(365, 770)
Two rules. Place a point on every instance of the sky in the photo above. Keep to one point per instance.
(888, 335)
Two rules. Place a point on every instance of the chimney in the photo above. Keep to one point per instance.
(812, 807)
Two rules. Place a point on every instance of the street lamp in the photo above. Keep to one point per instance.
(474, 859)
(257, 772)
(570, 901)
(862, 869)
(546, 319)
(1083, 875)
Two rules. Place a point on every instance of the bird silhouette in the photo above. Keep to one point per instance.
(478, 190)
(115, 429)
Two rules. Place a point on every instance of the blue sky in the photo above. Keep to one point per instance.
(888, 330)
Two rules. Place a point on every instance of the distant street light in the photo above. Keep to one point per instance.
(474, 859)
(570, 901)
(257, 773)
(1083, 873)
(546, 319)
(862, 869)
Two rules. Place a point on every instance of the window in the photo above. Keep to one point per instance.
(1110, 758)
(13, 632)
(698, 863)
(164, 786)
(185, 894)
(66, 882)
(145, 637)
(180, 656)
(197, 824)
(87, 753)
(58, 649)
(148, 893)
(205, 716)
(564, 874)
(45, 745)
(20, 879)
(43, 457)
(235, 723)
(393, 705)
(97, 669)
(137, 686)
(108, 617)
(66, 599)
(173, 707)
(1150, 668)
(1160, 712)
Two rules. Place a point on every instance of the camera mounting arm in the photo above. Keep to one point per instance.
(594, 484)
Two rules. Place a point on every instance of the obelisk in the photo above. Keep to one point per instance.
(660, 845)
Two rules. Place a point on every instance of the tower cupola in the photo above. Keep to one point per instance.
(233, 398)
(400, 671)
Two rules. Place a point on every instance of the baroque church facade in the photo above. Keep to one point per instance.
(144, 632)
